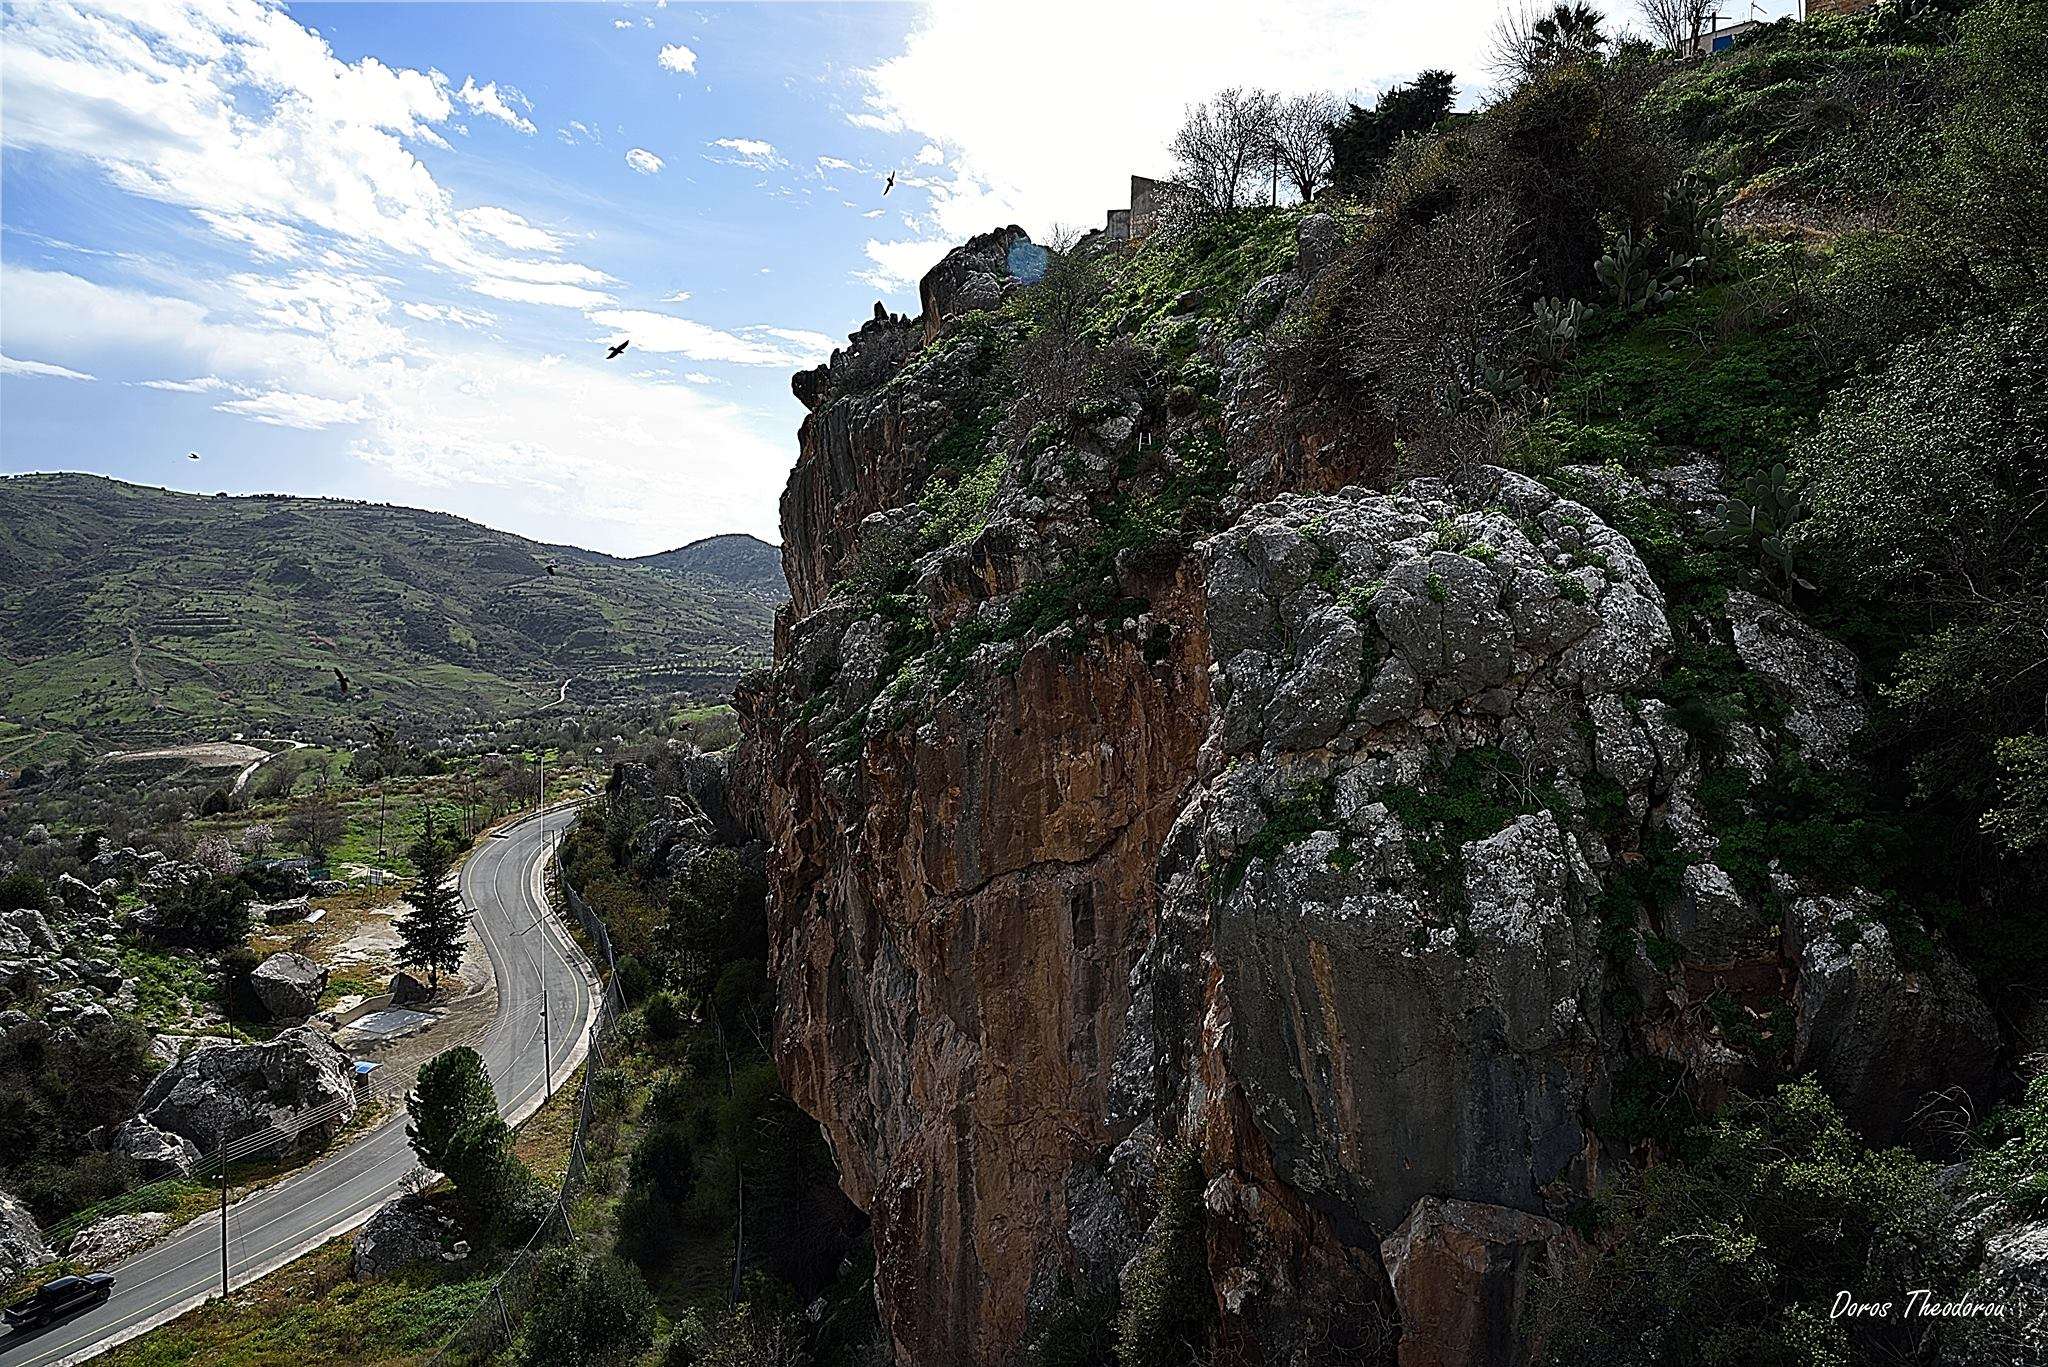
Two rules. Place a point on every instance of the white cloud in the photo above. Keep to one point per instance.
(675, 57)
(1143, 62)
(892, 265)
(10, 366)
(637, 465)
(234, 111)
(699, 377)
(835, 164)
(622, 23)
(787, 348)
(204, 384)
(446, 313)
(267, 239)
(509, 228)
(753, 152)
(679, 297)
(929, 155)
(491, 103)
(307, 412)
(643, 161)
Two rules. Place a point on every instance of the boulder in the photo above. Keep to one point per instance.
(289, 985)
(329, 887)
(1815, 676)
(406, 990)
(156, 1153)
(2013, 1276)
(1884, 1030)
(231, 1090)
(1461, 1272)
(22, 1245)
(404, 1231)
(281, 913)
(108, 1241)
(77, 895)
(977, 274)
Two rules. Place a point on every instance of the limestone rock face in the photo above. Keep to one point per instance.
(156, 1153)
(1460, 1273)
(1356, 838)
(1884, 1031)
(106, 1242)
(21, 1240)
(231, 1090)
(289, 985)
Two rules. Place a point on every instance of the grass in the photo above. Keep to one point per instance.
(161, 979)
(312, 1313)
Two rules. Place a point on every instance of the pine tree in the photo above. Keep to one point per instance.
(431, 935)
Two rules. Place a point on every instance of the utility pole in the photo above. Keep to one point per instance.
(547, 1073)
(223, 1229)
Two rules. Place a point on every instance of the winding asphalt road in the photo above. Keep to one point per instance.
(502, 884)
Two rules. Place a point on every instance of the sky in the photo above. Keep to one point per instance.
(379, 250)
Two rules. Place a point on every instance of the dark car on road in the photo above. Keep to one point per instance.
(64, 1296)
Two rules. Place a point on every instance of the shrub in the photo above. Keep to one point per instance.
(591, 1312)
(1777, 1208)
(1167, 1299)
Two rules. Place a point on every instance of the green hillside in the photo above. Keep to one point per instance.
(129, 613)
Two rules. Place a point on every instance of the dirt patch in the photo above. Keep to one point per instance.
(208, 755)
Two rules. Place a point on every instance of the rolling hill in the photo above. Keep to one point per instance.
(130, 612)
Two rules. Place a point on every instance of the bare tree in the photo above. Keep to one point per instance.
(1677, 24)
(1223, 143)
(1301, 140)
(1529, 40)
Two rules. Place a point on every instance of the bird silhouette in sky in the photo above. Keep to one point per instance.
(891, 185)
(341, 679)
(613, 354)
(191, 455)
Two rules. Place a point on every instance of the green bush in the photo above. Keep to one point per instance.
(1167, 1301)
(588, 1312)
(454, 1091)
(1735, 1253)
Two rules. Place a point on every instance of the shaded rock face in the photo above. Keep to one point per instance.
(1884, 1031)
(406, 990)
(157, 1154)
(1354, 845)
(289, 985)
(1461, 1273)
(227, 1091)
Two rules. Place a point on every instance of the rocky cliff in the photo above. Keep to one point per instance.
(1155, 764)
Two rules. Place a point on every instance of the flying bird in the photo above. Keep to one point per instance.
(891, 185)
(191, 455)
(341, 679)
(613, 354)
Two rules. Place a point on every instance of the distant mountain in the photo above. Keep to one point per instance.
(129, 611)
(740, 560)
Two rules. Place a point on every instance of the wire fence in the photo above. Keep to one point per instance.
(493, 1324)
